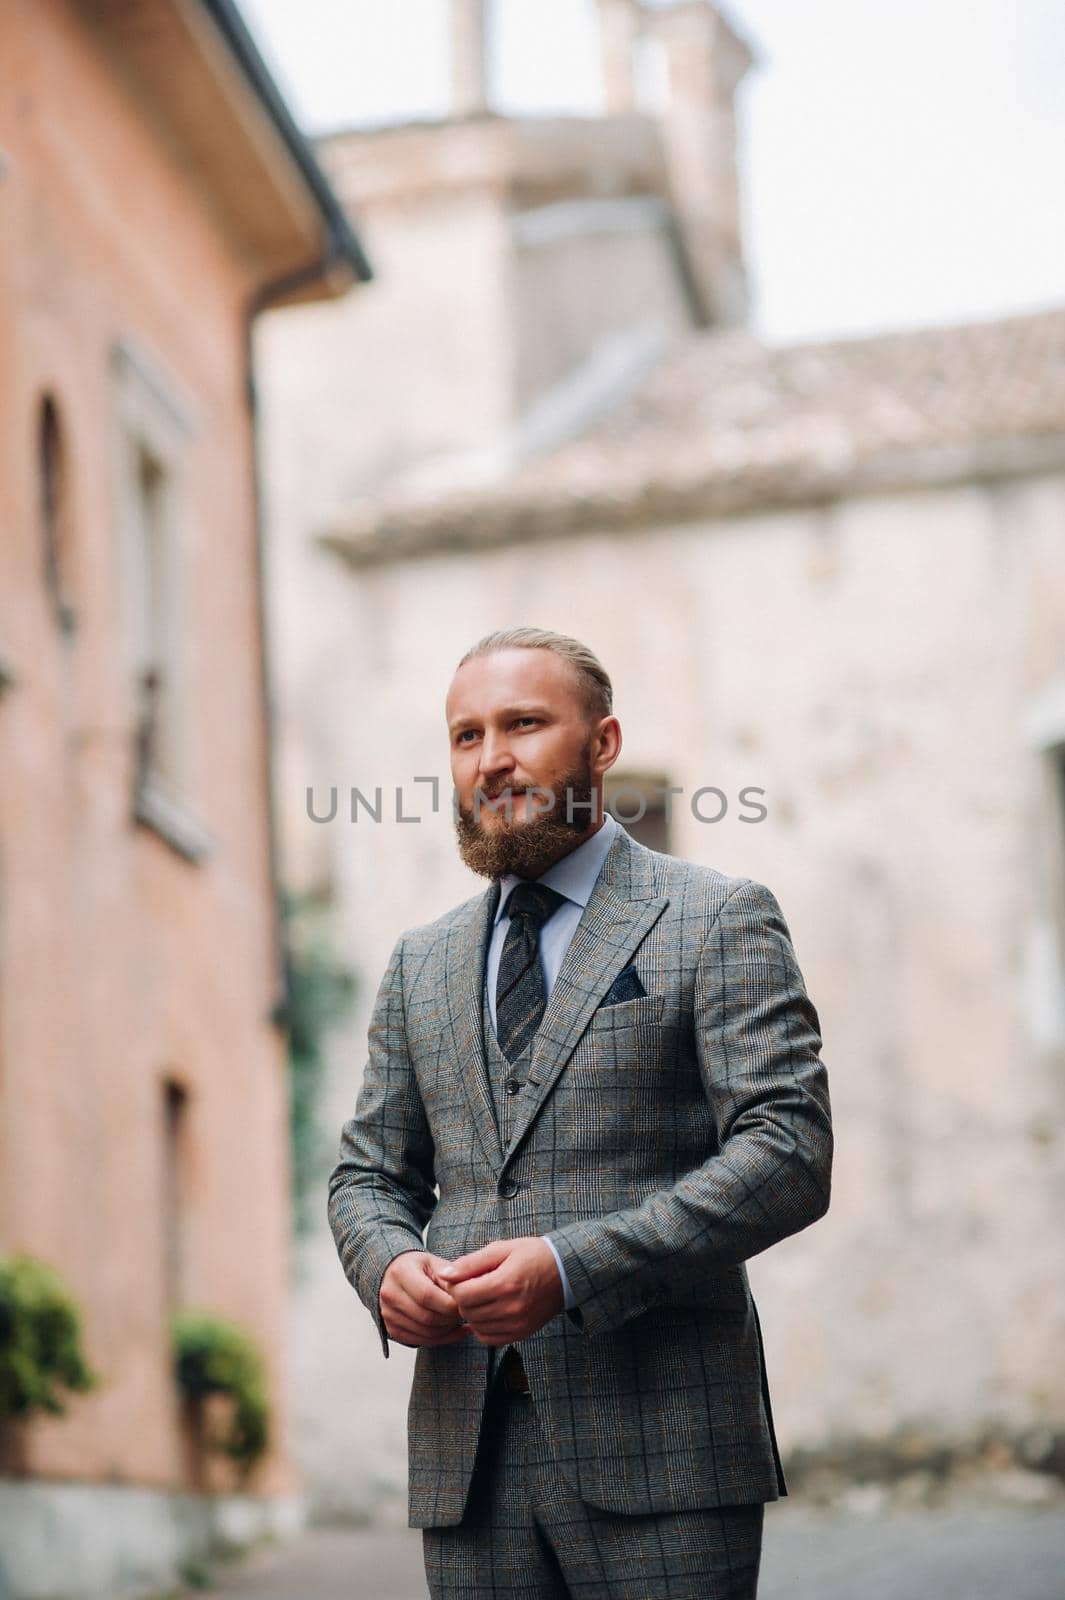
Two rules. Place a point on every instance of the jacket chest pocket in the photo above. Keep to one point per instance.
(620, 1040)
(644, 1011)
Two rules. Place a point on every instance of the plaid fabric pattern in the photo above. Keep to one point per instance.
(527, 1536)
(661, 1141)
(500, 1074)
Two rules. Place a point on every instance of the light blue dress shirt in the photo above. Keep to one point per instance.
(574, 876)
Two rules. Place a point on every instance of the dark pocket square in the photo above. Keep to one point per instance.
(626, 986)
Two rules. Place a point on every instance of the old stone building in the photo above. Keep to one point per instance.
(154, 195)
(832, 574)
(530, 272)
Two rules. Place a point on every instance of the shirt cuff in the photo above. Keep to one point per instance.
(571, 1299)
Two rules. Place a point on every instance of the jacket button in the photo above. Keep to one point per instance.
(513, 1085)
(508, 1187)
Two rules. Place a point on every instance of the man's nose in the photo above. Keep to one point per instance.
(496, 756)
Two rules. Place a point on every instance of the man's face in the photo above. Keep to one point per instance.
(517, 722)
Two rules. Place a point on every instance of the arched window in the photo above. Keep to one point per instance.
(175, 1196)
(55, 512)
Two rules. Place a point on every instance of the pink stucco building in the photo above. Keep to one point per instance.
(154, 196)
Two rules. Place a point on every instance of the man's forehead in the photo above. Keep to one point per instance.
(507, 675)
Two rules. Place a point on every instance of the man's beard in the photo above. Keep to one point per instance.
(527, 848)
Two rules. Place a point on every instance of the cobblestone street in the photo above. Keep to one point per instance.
(996, 1553)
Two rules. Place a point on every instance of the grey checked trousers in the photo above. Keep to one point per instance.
(526, 1535)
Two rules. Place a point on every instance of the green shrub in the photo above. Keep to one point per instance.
(319, 993)
(216, 1357)
(40, 1340)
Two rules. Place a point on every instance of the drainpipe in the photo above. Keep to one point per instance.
(336, 262)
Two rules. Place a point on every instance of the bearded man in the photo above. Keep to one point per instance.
(597, 1084)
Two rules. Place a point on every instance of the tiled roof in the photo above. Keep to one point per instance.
(727, 425)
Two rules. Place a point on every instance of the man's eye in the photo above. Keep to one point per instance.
(527, 719)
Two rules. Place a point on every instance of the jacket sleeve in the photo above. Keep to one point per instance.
(382, 1190)
(758, 1041)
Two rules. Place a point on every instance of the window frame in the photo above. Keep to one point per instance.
(154, 423)
(651, 786)
(54, 509)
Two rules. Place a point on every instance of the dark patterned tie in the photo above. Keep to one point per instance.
(520, 987)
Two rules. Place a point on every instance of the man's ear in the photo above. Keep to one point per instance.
(608, 743)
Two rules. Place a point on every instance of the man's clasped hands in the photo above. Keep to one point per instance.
(504, 1292)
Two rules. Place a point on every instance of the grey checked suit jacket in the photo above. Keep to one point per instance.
(661, 1140)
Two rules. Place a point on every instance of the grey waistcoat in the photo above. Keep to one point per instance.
(500, 1073)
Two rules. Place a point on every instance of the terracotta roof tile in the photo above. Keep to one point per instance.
(726, 424)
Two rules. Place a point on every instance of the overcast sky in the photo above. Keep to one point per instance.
(903, 160)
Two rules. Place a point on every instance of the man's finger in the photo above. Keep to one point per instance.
(493, 1329)
(475, 1294)
(492, 1338)
(421, 1287)
(421, 1299)
(430, 1298)
(428, 1317)
(476, 1262)
(410, 1312)
(409, 1333)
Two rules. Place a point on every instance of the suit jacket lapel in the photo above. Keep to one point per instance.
(621, 910)
(463, 958)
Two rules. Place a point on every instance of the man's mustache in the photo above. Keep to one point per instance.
(497, 794)
(545, 802)
(484, 799)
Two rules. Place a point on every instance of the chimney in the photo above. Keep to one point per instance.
(618, 28)
(469, 58)
(706, 62)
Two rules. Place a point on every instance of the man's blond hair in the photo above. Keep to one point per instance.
(596, 689)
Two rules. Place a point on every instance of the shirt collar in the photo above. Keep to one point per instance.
(575, 875)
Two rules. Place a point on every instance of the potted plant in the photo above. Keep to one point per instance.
(40, 1350)
(222, 1381)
